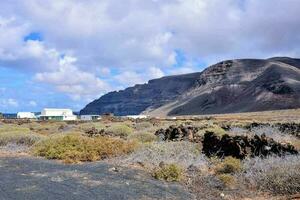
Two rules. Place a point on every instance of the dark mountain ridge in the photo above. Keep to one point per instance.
(242, 85)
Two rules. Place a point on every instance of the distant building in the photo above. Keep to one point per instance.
(26, 115)
(137, 116)
(57, 114)
(89, 117)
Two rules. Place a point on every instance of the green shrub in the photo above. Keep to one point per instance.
(227, 179)
(120, 130)
(170, 172)
(77, 148)
(214, 128)
(228, 166)
(26, 139)
(143, 137)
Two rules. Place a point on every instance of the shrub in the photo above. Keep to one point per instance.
(76, 148)
(227, 179)
(169, 172)
(143, 125)
(143, 137)
(181, 153)
(229, 165)
(120, 130)
(25, 139)
(279, 175)
(214, 128)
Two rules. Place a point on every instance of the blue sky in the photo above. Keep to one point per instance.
(68, 53)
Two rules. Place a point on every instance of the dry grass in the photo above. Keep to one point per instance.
(184, 154)
(120, 130)
(274, 174)
(77, 148)
(25, 139)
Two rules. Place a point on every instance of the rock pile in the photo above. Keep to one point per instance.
(180, 133)
(242, 146)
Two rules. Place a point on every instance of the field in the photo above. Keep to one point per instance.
(133, 145)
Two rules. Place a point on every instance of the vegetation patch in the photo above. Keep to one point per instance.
(120, 130)
(77, 148)
(143, 137)
(170, 172)
(18, 138)
(229, 165)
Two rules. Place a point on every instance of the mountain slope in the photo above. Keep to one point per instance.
(134, 100)
(243, 85)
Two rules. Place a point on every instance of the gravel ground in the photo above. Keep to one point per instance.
(32, 178)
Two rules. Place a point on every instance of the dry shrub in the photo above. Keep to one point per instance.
(171, 172)
(18, 138)
(143, 125)
(274, 174)
(143, 137)
(212, 128)
(77, 148)
(182, 153)
(121, 130)
(229, 165)
(227, 179)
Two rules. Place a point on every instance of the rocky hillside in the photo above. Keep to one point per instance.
(243, 85)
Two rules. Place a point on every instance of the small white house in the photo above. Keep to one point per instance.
(57, 114)
(89, 117)
(26, 115)
(137, 116)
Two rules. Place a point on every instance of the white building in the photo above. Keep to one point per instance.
(57, 114)
(137, 116)
(89, 117)
(26, 115)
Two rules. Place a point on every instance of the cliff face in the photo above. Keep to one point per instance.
(243, 85)
(134, 100)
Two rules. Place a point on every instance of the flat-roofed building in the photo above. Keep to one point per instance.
(26, 115)
(57, 114)
(89, 117)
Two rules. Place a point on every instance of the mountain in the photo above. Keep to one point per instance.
(242, 85)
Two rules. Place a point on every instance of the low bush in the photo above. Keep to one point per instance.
(227, 179)
(143, 137)
(182, 153)
(18, 138)
(77, 148)
(120, 130)
(170, 172)
(274, 174)
(143, 125)
(213, 128)
(229, 165)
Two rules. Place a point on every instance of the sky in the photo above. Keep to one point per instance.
(65, 54)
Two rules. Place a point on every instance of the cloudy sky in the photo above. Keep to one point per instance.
(56, 53)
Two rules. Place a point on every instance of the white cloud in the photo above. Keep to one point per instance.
(6, 103)
(32, 103)
(73, 81)
(131, 38)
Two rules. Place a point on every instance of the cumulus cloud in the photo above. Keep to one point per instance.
(6, 103)
(73, 81)
(122, 42)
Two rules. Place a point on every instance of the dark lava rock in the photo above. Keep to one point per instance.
(180, 133)
(242, 146)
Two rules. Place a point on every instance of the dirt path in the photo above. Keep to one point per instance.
(32, 178)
